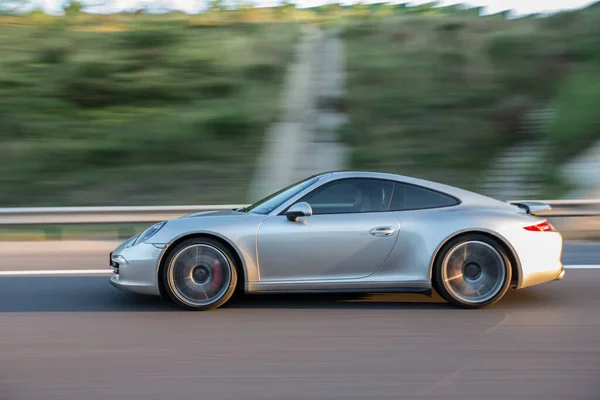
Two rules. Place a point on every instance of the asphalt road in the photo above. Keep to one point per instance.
(79, 338)
(581, 253)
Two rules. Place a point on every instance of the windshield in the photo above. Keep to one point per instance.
(273, 201)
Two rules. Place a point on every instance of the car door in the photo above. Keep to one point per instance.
(350, 234)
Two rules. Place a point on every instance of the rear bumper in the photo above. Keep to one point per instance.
(539, 255)
(534, 274)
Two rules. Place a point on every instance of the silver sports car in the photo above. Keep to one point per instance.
(346, 232)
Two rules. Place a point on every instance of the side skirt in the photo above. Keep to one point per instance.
(338, 287)
(426, 292)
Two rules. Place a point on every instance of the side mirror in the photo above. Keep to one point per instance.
(298, 210)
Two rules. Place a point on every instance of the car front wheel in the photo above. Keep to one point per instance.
(200, 274)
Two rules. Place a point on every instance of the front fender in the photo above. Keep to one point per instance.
(238, 232)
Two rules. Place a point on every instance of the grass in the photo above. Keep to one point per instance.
(116, 232)
(150, 113)
(439, 97)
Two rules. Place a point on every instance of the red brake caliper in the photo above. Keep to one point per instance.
(217, 270)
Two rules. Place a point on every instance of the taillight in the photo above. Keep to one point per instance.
(544, 226)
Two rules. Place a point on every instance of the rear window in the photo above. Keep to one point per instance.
(410, 197)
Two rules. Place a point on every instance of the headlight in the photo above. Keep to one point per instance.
(148, 233)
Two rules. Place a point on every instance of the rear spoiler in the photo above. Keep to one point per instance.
(531, 207)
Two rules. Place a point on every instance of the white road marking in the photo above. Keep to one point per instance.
(110, 271)
(58, 272)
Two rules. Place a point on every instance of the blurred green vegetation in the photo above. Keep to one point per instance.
(127, 110)
(578, 117)
(438, 97)
(71, 232)
(138, 109)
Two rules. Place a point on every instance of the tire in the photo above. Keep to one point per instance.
(199, 274)
(468, 265)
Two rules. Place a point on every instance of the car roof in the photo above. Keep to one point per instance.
(465, 196)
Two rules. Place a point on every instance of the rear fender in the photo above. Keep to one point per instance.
(512, 253)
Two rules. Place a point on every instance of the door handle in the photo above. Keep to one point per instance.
(382, 231)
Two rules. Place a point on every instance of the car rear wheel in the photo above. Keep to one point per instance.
(200, 274)
(473, 271)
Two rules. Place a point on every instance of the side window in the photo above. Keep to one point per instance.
(351, 196)
(410, 197)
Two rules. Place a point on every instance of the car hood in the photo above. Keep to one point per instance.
(213, 213)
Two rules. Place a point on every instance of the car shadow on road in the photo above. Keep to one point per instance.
(95, 294)
(338, 301)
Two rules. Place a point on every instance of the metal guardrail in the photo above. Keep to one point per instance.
(99, 215)
(148, 214)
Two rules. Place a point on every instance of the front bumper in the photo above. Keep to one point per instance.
(135, 269)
